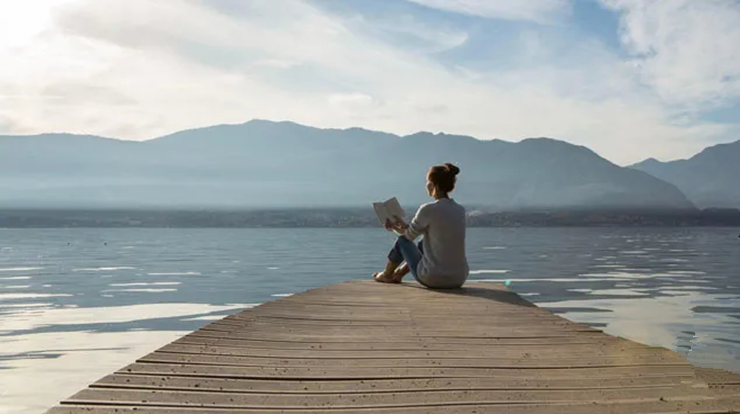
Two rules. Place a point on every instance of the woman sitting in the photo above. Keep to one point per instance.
(438, 261)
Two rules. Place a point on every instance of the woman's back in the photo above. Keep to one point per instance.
(444, 263)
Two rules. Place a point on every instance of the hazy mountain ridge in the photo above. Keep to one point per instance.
(709, 178)
(276, 164)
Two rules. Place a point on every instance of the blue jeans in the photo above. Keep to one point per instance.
(404, 250)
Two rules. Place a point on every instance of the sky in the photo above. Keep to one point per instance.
(630, 79)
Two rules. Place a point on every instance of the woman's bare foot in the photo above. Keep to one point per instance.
(385, 278)
(400, 272)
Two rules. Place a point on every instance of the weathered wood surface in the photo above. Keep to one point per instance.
(370, 347)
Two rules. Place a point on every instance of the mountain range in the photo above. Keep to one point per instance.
(262, 164)
(710, 178)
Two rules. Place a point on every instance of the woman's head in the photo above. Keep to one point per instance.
(441, 180)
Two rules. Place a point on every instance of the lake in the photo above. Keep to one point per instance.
(77, 304)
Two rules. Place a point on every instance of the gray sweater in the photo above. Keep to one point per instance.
(442, 223)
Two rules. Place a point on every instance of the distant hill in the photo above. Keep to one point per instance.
(283, 164)
(710, 178)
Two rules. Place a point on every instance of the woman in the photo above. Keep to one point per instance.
(438, 261)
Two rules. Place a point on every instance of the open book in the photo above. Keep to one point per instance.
(389, 211)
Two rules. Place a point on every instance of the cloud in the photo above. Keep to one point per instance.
(351, 99)
(119, 68)
(21, 21)
(534, 10)
(409, 32)
(70, 93)
(8, 126)
(275, 63)
(687, 51)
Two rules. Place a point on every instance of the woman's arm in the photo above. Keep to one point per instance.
(418, 226)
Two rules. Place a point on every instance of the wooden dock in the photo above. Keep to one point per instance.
(376, 348)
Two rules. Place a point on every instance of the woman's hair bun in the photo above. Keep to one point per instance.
(443, 177)
(452, 168)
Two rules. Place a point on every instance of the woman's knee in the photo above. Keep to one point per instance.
(402, 240)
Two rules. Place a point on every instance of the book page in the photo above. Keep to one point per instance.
(389, 211)
(394, 209)
(381, 212)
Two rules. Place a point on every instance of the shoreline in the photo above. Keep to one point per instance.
(353, 218)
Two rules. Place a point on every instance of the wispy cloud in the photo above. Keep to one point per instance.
(686, 50)
(533, 10)
(137, 69)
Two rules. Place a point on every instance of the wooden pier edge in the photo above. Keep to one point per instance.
(371, 347)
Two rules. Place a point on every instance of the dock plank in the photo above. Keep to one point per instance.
(373, 386)
(375, 400)
(370, 347)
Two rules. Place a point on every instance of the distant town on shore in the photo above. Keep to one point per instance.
(353, 218)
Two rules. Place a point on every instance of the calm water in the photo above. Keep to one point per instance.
(76, 304)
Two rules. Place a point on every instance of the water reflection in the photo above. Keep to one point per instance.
(63, 348)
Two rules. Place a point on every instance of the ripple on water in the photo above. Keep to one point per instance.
(690, 288)
(103, 269)
(13, 296)
(25, 305)
(670, 292)
(142, 290)
(489, 272)
(612, 292)
(552, 280)
(19, 269)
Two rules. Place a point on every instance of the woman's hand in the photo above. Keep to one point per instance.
(399, 226)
